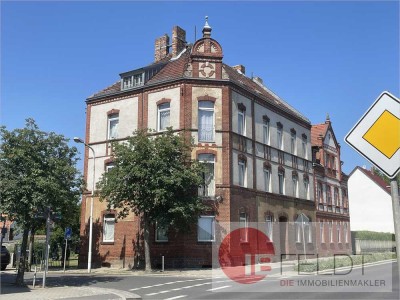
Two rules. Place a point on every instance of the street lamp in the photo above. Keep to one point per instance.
(79, 140)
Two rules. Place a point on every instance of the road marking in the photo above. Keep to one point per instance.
(177, 297)
(168, 283)
(219, 288)
(185, 287)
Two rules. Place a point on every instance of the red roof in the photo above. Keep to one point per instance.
(375, 178)
(316, 131)
(176, 68)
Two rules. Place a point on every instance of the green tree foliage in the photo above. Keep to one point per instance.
(155, 178)
(377, 172)
(38, 171)
(373, 235)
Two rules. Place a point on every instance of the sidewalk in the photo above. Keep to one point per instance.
(88, 293)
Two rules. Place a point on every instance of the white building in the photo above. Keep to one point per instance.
(371, 202)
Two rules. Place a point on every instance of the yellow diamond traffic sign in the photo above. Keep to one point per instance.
(376, 135)
(384, 134)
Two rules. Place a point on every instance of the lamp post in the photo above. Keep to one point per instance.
(79, 140)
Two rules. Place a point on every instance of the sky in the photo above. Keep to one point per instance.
(321, 57)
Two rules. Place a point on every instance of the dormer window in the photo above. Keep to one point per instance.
(131, 81)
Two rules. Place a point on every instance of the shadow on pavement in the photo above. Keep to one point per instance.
(7, 281)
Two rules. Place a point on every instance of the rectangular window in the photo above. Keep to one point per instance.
(321, 232)
(308, 232)
(243, 227)
(319, 193)
(339, 239)
(163, 116)
(241, 122)
(113, 121)
(293, 149)
(298, 232)
(269, 221)
(207, 189)
(281, 181)
(266, 132)
(108, 228)
(206, 121)
(242, 172)
(306, 189)
(330, 231)
(161, 234)
(137, 79)
(304, 147)
(329, 194)
(206, 229)
(295, 187)
(345, 232)
(267, 180)
(280, 138)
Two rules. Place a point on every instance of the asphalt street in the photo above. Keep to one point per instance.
(376, 282)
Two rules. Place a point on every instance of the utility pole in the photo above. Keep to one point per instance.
(396, 218)
(46, 262)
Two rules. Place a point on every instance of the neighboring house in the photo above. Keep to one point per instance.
(256, 147)
(331, 193)
(371, 202)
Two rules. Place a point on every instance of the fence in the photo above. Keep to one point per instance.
(367, 246)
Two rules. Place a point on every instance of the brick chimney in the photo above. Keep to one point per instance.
(178, 40)
(240, 68)
(161, 47)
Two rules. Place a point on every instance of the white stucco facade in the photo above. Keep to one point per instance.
(370, 205)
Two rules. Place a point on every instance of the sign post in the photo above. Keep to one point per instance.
(67, 236)
(376, 136)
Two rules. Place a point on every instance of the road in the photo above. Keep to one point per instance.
(383, 277)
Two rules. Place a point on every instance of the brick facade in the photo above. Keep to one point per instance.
(193, 73)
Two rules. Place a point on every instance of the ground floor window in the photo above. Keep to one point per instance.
(108, 228)
(161, 234)
(206, 229)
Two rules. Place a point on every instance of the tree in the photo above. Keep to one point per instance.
(38, 173)
(378, 172)
(154, 177)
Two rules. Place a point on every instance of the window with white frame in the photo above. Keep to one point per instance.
(109, 167)
(319, 193)
(336, 196)
(164, 113)
(279, 135)
(266, 131)
(322, 232)
(113, 121)
(330, 232)
(295, 183)
(304, 147)
(329, 194)
(306, 183)
(338, 233)
(267, 179)
(243, 226)
(206, 121)
(241, 121)
(161, 234)
(269, 222)
(206, 229)
(281, 182)
(242, 172)
(308, 232)
(207, 189)
(345, 232)
(298, 232)
(293, 149)
(108, 227)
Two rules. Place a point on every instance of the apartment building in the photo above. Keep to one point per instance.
(331, 192)
(256, 147)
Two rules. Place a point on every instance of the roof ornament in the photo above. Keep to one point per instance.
(328, 119)
(207, 29)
